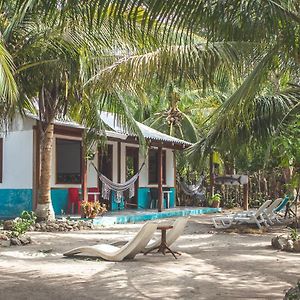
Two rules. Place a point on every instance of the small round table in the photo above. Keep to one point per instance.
(163, 244)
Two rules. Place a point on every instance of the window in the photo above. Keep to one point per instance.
(153, 166)
(68, 161)
(105, 160)
(1, 159)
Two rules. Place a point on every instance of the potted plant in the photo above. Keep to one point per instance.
(215, 200)
(92, 209)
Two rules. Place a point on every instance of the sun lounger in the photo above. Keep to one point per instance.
(246, 217)
(171, 236)
(269, 212)
(113, 253)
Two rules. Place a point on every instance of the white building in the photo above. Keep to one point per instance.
(118, 160)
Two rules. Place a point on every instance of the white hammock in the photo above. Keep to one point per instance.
(119, 188)
(193, 189)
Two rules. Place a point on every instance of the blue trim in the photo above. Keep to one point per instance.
(143, 198)
(14, 201)
(59, 199)
(115, 206)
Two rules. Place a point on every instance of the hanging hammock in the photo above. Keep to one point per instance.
(196, 190)
(119, 188)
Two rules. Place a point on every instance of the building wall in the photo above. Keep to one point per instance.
(16, 189)
(17, 181)
(144, 186)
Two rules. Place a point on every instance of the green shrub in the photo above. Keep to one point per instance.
(22, 224)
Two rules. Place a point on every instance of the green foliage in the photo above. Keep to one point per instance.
(294, 234)
(22, 224)
(215, 198)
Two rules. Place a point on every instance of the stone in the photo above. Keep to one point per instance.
(4, 243)
(55, 226)
(297, 246)
(8, 225)
(37, 225)
(289, 246)
(24, 240)
(15, 242)
(279, 242)
(4, 237)
(293, 293)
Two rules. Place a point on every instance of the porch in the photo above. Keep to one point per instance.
(74, 178)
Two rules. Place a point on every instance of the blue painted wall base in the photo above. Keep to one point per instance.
(14, 201)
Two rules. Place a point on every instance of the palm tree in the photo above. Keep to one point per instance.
(268, 30)
(53, 62)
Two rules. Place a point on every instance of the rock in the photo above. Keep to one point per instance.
(4, 237)
(289, 246)
(8, 225)
(279, 242)
(15, 242)
(37, 225)
(293, 293)
(297, 246)
(4, 243)
(31, 228)
(24, 240)
(55, 226)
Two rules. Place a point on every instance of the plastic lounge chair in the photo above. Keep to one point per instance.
(113, 253)
(284, 208)
(247, 217)
(269, 212)
(172, 235)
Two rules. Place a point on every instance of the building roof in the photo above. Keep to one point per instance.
(149, 133)
(116, 130)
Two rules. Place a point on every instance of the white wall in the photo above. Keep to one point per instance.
(18, 155)
(92, 180)
(143, 178)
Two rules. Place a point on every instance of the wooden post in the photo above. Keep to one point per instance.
(83, 173)
(211, 174)
(119, 162)
(245, 196)
(160, 180)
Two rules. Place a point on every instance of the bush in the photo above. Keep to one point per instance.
(22, 224)
(92, 209)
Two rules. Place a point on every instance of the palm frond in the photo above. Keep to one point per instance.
(198, 62)
(8, 87)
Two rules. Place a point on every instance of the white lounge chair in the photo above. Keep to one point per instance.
(113, 253)
(252, 216)
(270, 211)
(171, 236)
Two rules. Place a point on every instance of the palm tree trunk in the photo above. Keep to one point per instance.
(44, 210)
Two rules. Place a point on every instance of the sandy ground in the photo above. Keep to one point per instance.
(213, 265)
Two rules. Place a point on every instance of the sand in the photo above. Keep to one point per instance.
(213, 265)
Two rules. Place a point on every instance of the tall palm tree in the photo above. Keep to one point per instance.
(53, 62)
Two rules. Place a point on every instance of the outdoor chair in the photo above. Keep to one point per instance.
(285, 208)
(73, 200)
(246, 217)
(113, 253)
(154, 198)
(171, 236)
(269, 212)
(91, 197)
